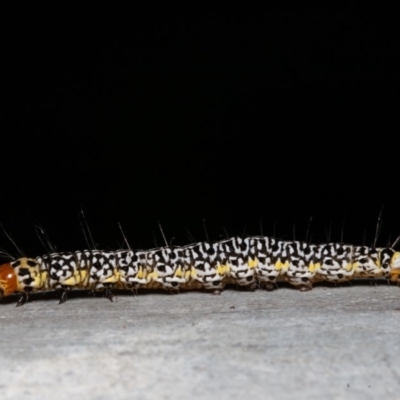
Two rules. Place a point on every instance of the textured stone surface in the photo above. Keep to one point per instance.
(331, 342)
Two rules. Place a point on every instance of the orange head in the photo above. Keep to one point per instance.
(8, 280)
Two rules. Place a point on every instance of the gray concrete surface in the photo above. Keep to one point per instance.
(332, 343)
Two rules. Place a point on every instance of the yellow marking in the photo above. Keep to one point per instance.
(395, 261)
(75, 279)
(313, 267)
(221, 269)
(187, 274)
(152, 276)
(70, 281)
(20, 287)
(44, 276)
(193, 273)
(141, 273)
(78, 275)
(113, 278)
(350, 267)
(395, 266)
(355, 265)
(179, 273)
(84, 277)
(252, 263)
(280, 265)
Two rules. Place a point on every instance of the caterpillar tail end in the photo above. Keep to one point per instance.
(395, 267)
(8, 280)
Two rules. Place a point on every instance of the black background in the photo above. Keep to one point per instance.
(243, 119)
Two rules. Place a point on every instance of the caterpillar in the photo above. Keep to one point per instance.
(248, 262)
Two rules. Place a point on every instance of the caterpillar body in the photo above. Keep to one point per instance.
(250, 262)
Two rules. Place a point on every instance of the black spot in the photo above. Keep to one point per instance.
(249, 278)
(340, 276)
(27, 281)
(161, 268)
(97, 265)
(304, 279)
(328, 262)
(24, 271)
(216, 283)
(16, 263)
(275, 247)
(211, 251)
(200, 267)
(363, 260)
(174, 284)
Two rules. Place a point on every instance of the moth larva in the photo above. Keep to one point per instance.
(249, 262)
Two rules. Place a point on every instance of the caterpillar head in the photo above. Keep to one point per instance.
(8, 280)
